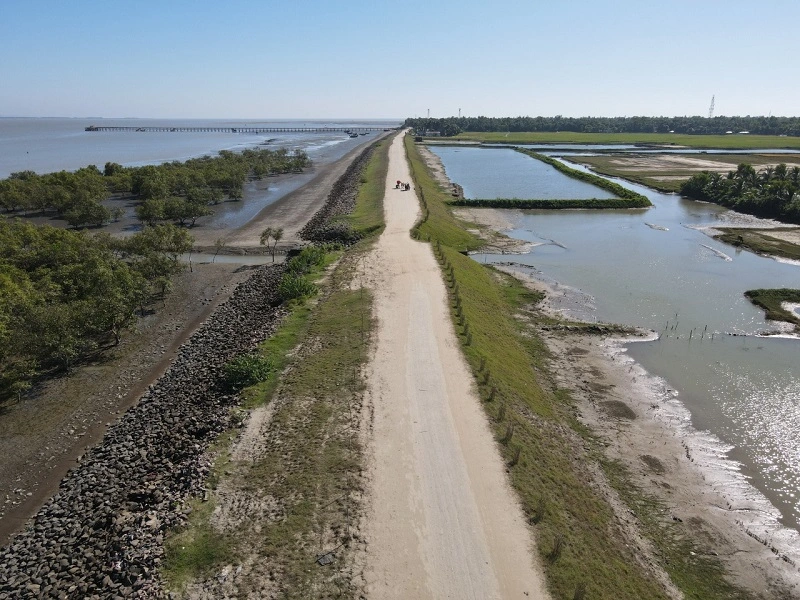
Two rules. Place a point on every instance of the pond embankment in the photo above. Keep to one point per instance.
(646, 464)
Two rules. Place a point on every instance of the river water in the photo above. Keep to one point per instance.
(737, 394)
(44, 145)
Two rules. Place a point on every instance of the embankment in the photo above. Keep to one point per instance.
(102, 532)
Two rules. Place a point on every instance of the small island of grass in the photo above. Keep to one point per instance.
(773, 302)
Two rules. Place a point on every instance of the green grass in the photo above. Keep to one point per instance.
(197, 550)
(739, 142)
(550, 453)
(311, 473)
(760, 241)
(367, 217)
(436, 222)
(770, 300)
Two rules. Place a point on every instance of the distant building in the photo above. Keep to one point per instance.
(744, 132)
(430, 133)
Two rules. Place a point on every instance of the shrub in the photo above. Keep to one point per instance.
(294, 286)
(309, 257)
(246, 370)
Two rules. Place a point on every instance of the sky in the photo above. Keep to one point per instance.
(382, 59)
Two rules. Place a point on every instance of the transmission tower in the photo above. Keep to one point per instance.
(711, 108)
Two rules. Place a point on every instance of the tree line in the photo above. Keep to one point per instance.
(179, 192)
(698, 125)
(64, 294)
(772, 192)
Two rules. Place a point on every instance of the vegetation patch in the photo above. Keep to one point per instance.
(771, 300)
(197, 550)
(65, 294)
(298, 496)
(772, 192)
(665, 130)
(549, 453)
(180, 192)
(761, 241)
(246, 370)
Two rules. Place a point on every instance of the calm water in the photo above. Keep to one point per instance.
(654, 268)
(45, 145)
(505, 173)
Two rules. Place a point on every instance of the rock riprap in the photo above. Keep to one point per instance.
(341, 200)
(101, 535)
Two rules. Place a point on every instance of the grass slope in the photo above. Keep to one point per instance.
(551, 456)
(367, 217)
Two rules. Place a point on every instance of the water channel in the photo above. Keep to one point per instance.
(738, 393)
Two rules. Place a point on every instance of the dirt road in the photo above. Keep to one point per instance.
(442, 521)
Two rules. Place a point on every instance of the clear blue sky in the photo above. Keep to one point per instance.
(375, 58)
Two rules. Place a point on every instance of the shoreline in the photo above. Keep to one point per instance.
(744, 530)
(80, 406)
(644, 425)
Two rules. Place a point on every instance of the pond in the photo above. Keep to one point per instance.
(657, 269)
(505, 173)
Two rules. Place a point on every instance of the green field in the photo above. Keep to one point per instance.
(734, 141)
(667, 172)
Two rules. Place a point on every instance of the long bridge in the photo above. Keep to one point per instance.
(244, 129)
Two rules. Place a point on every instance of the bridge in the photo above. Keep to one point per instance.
(244, 129)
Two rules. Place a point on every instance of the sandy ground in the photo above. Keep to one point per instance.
(442, 520)
(792, 236)
(42, 436)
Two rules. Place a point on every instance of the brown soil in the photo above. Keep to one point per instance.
(42, 436)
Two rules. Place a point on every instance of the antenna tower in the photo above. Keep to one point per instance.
(711, 108)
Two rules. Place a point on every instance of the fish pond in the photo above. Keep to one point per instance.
(733, 392)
